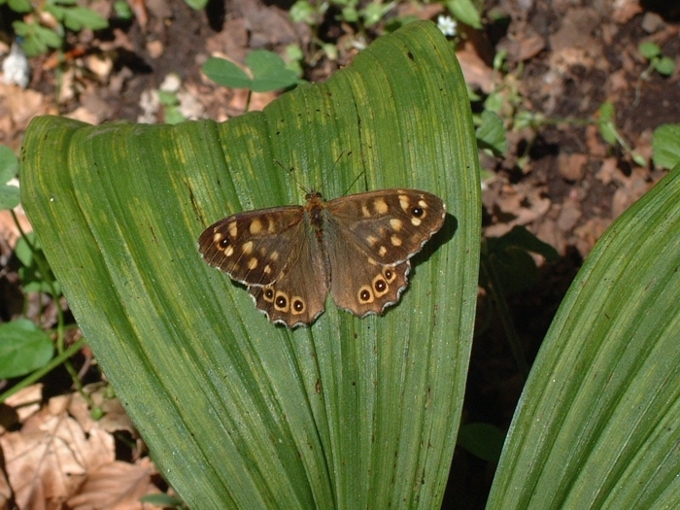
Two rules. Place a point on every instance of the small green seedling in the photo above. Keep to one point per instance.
(666, 146)
(37, 39)
(9, 164)
(269, 72)
(657, 61)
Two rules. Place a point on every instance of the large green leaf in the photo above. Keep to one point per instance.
(597, 425)
(238, 413)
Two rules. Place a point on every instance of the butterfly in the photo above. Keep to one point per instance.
(356, 247)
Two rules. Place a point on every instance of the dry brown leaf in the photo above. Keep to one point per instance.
(116, 486)
(25, 402)
(475, 70)
(22, 104)
(115, 418)
(572, 166)
(48, 459)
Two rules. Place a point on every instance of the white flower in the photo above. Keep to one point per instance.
(15, 67)
(447, 25)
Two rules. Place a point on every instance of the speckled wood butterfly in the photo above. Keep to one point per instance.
(357, 247)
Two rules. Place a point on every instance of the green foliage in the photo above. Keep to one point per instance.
(37, 38)
(349, 413)
(9, 164)
(509, 259)
(666, 146)
(490, 133)
(482, 440)
(171, 104)
(595, 424)
(269, 72)
(122, 9)
(657, 61)
(312, 13)
(20, 6)
(197, 5)
(606, 120)
(465, 11)
(164, 500)
(24, 348)
(75, 17)
(34, 271)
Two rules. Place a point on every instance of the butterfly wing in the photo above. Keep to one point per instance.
(369, 239)
(273, 253)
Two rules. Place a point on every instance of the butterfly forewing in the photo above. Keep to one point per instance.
(254, 247)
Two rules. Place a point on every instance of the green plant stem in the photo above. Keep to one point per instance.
(45, 271)
(38, 374)
(498, 298)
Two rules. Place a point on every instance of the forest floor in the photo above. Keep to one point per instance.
(559, 178)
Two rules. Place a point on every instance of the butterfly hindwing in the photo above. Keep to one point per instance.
(299, 294)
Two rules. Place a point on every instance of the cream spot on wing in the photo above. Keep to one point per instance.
(263, 251)
(372, 261)
(271, 227)
(404, 202)
(372, 240)
(252, 263)
(365, 211)
(422, 204)
(247, 248)
(274, 256)
(267, 269)
(229, 251)
(396, 224)
(233, 229)
(415, 222)
(382, 251)
(256, 227)
(217, 237)
(395, 240)
(380, 206)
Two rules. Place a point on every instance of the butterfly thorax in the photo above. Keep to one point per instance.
(314, 207)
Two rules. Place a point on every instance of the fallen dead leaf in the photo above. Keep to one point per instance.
(47, 460)
(572, 166)
(607, 171)
(116, 486)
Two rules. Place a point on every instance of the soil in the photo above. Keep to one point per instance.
(560, 180)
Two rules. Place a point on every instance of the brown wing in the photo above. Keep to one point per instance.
(388, 225)
(276, 254)
(369, 238)
(254, 247)
(298, 296)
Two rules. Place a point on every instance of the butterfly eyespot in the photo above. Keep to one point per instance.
(281, 302)
(223, 243)
(298, 305)
(365, 294)
(269, 294)
(380, 285)
(417, 211)
(389, 275)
